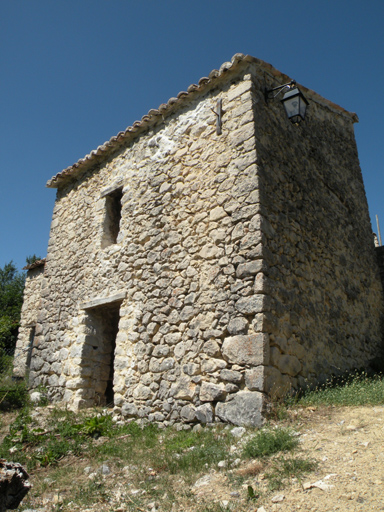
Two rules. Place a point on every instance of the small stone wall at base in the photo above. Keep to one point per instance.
(29, 312)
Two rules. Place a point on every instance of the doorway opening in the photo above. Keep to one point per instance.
(30, 347)
(102, 329)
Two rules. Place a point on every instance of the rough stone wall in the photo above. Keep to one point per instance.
(29, 312)
(183, 270)
(323, 292)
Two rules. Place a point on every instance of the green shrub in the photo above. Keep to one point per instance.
(5, 363)
(98, 425)
(268, 441)
(13, 396)
(13, 392)
(11, 300)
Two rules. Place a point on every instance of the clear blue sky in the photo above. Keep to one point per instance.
(76, 72)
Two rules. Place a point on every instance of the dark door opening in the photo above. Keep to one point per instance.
(30, 347)
(103, 326)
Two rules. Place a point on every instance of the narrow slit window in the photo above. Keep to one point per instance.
(112, 217)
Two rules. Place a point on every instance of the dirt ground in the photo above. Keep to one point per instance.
(347, 443)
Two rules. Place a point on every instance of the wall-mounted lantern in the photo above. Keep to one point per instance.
(294, 101)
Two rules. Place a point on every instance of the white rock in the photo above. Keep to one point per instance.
(238, 431)
(36, 397)
(104, 470)
(320, 484)
(278, 498)
(204, 480)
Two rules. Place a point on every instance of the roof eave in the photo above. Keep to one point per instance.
(238, 62)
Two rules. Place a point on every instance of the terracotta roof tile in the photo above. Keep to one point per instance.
(35, 264)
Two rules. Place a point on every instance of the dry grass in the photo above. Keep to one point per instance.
(148, 468)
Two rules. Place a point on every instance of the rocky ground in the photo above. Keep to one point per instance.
(348, 444)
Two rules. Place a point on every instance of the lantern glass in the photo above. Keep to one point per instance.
(295, 105)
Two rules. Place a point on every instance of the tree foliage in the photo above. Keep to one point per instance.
(32, 259)
(11, 299)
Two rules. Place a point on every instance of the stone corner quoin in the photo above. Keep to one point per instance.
(192, 275)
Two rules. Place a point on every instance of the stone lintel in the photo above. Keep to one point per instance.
(102, 301)
(109, 190)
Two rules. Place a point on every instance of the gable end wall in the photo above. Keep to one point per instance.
(186, 255)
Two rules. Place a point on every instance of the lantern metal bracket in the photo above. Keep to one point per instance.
(294, 101)
(268, 93)
(218, 112)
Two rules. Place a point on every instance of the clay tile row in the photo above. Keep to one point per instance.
(214, 74)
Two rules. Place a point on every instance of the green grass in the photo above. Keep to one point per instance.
(64, 433)
(94, 491)
(187, 451)
(184, 452)
(162, 464)
(284, 469)
(269, 441)
(351, 390)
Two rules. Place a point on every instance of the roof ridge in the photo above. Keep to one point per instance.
(165, 108)
(35, 264)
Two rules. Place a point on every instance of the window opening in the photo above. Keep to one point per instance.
(112, 217)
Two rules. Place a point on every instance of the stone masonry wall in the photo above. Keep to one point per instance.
(186, 348)
(29, 312)
(323, 292)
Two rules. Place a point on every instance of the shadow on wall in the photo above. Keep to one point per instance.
(377, 364)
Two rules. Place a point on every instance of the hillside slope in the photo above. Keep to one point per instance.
(346, 442)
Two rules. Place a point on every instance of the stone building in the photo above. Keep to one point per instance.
(28, 320)
(197, 266)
